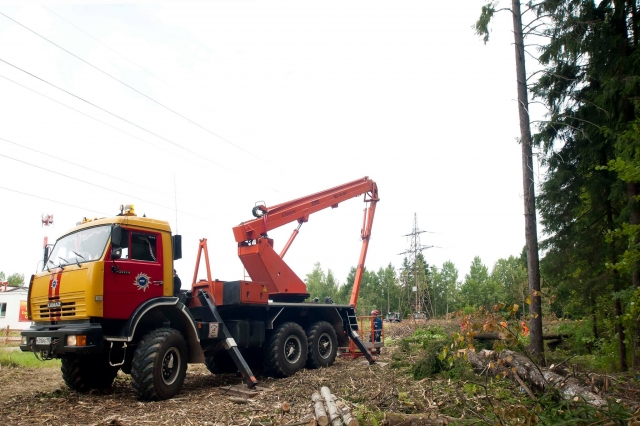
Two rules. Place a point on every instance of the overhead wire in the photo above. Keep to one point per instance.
(97, 186)
(120, 118)
(93, 118)
(115, 115)
(132, 88)
(108, 47)
(51, 200)
(83, 167)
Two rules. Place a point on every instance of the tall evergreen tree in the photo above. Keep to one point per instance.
(591, 88)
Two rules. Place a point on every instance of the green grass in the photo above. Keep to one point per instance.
(9, 358)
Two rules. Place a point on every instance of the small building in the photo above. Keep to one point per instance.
(13, 307)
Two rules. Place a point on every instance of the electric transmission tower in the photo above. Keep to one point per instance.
(421, 290)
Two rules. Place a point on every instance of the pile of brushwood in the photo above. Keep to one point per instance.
(501, 384)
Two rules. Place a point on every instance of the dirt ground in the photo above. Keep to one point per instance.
(39, 396)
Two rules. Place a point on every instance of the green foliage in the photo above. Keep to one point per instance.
(444, 288)
(481, 26)
(591, 150)
(2, 276)
(321, 285)
(479, 288)
(15, 280)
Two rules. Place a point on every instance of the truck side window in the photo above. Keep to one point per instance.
(143, 247)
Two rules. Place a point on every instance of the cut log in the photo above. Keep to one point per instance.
(489, 336)
(334, 415)
(318, 407)
(345, 412)
(509, 363)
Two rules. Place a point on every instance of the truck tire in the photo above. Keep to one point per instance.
(159, 365)
(285, 350)
(82, 373)
(219, 361)
(322, 344)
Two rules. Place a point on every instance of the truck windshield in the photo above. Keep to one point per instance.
(82, 246)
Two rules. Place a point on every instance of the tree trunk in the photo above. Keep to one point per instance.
(594, 318)
(613, 258)
(520, 367)
(531, 234)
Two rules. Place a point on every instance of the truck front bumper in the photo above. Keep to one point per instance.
(51, 341)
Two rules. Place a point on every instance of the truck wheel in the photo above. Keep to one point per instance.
(82, 373)
(286, 350)
(219, 361)
(159, 364)
(322, 345)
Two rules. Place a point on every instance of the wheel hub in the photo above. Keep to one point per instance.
(292, 349)
(324, 346)
(170, 365)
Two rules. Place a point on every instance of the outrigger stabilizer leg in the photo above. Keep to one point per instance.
(229, 342)
(356, 339)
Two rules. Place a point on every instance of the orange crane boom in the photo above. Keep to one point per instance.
(263, 264)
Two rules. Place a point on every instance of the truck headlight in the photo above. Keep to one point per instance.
(77, 340)
(25, 340)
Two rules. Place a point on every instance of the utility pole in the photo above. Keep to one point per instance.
(422, 299)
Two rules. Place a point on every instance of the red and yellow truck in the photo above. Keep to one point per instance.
(107, 299)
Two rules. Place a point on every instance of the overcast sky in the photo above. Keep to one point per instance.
(278, 100)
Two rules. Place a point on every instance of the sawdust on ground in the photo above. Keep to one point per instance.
(39, 396)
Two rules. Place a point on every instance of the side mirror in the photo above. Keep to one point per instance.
(116, 253)
(45, 255)
(116, 237)
(177, 247)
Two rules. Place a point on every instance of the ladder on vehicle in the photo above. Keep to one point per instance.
(355, 343)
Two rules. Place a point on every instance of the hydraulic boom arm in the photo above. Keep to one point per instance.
(255, 248)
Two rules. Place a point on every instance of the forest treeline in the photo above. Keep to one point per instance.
(414, 285)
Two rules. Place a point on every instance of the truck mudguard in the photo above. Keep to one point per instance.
(169, 309)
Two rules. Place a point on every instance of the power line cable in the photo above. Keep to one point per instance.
(114, 115)
(110, 125)
(96, 185)
(133, 88)
(84, 167)
(98, 41)
(50, 200)
(94, 118)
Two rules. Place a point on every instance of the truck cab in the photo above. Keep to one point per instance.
(103, 285)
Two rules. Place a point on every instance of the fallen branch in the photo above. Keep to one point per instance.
(525, 387)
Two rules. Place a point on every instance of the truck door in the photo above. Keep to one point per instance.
(139, 276)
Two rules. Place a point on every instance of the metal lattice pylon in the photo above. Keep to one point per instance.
(422, 293)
